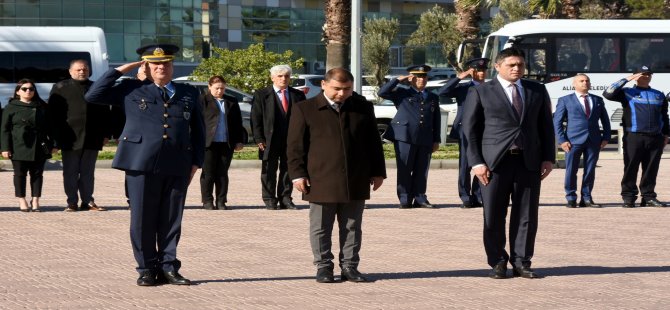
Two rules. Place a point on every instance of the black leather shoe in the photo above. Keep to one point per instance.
(209, 206)
(478, 205)
(423, 205)
(525, 272)
(271, 205)
(147, 278)
(628, 204)
(222, 206)
(173, 277)
(588, 203)
(571, 204)
(499, 271)
(652, 203)
(351, 274)
(467, 205)
(288, 204)
(325, 275)
(405, 206)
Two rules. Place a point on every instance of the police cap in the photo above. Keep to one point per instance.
(643, 69)
(478, 63)
(158, 52)
(419, 70)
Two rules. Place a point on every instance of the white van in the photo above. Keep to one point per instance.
(43, 54)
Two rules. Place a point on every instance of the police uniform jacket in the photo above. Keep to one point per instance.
(212, 112)
(338, 153)
(24, 131)
(161, 138)
(455, 89)
(645, 110)
(269, 122)
(417, 120)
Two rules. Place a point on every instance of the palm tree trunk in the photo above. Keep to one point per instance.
(468, 19)
(570, 8)
(337, 33)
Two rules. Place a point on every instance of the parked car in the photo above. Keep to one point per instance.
(243, 98)
(385, 110)
(310, 84)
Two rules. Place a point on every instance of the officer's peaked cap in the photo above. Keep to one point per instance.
(158, 52)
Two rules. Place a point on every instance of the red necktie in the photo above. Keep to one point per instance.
(284, 101)
(587, 108)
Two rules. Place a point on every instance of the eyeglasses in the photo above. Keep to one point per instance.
(26, 89)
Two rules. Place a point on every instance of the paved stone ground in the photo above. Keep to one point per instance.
(250, 258)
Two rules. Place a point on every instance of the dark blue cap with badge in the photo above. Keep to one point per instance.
(158, 52)
(643, 69)
(478, 63)
(419, 70)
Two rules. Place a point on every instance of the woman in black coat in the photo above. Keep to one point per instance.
(223, 135)
(24, 140)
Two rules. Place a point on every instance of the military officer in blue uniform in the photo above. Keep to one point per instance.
(468, 187)
(415, 132)
(162, 145)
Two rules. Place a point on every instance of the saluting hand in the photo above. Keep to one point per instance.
(125, 68)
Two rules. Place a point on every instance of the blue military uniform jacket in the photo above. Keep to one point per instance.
(455, 89)
(418, 118)
(162, 138)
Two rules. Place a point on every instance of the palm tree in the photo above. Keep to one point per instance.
(556, 8)
(468, 12)
(337, 32)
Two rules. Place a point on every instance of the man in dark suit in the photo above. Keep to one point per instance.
(507, 122)
(576, 125)
(160, 149)
(270, 115)
(80, 131)
(223, 135)
(415, 132)
(468, 187)
(335, 154)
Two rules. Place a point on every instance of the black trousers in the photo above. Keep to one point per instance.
(21, 169)
(156, 210)
(273, 188)
(512, 180)
(79, 175)
(215, 172)
(645, 150)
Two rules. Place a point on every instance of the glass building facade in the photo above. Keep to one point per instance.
(194, 25)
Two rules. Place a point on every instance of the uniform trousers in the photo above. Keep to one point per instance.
(21, 169)
(273, 189)
(591, 152)
(349, 218)
(215, 172)
(511, 179)
(413, 161)
(156, 209)
(640, 149)
(468, 186)
(78, 175)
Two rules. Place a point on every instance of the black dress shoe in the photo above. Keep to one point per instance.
(405, 206)
(423, 205)
(351, 274)
(525, 272)
(571, 204)
(628, 204)
(271, 205)
(499, 271)
(222, 206)
(467, 205)
(588, 203)
(288, 204)
(209, 206)
(652, 203)
(325, 275)
(147, 278)
(478, 204)
(173, 277)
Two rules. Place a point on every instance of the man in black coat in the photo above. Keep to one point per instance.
(270, 116)
(508, 124)
(80, 131)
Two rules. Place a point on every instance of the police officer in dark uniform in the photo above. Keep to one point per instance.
(415, 132)
(645, 122)
(468, 188)
(162, 145)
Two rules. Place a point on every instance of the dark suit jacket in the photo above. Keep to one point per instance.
(338, 153)
(155, 139)
(269, 123)
(455, 89)
(417, 120)
(491, 126)
(579, 129)
(211, 113)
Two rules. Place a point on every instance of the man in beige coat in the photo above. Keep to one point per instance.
(334, 156)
